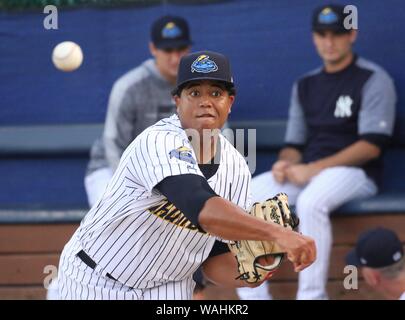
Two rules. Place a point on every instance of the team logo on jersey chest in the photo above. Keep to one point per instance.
(343, 107)
(168, 212)
(183, 153)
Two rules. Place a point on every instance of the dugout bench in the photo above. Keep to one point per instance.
(36, 222)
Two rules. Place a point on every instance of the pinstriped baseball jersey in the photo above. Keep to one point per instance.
(134, 233)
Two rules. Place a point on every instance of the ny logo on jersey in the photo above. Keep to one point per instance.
(343, 107)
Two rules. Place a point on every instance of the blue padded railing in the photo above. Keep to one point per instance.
(75, 141)
(48, 139)
(41, 216)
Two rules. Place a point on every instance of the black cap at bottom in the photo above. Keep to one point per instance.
(376, 248)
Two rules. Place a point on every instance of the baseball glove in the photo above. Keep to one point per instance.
(248, 252)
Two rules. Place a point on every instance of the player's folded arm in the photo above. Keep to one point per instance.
(378, 139)
(299, 147)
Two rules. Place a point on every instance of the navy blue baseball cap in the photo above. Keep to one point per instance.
(170, 32)
(376, 248)
(204, 65)
(330, 17)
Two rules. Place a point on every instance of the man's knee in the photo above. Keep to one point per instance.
(311, 205)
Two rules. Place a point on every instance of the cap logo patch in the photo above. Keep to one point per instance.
(171, 31)
(203, 64)
(327, 16)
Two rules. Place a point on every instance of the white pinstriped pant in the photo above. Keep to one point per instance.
(327, 191)
(95, 184)
(77, 281)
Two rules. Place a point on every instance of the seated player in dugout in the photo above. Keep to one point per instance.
(138, 99)
(171, 203)
(341, 119)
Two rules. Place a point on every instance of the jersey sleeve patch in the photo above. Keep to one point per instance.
(184, 154)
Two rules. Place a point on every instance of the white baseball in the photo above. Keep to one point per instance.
(67, 56)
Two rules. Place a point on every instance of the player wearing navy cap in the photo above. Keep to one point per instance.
(172, 200)
(380, 255)
(341, 117)
(138, 99)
